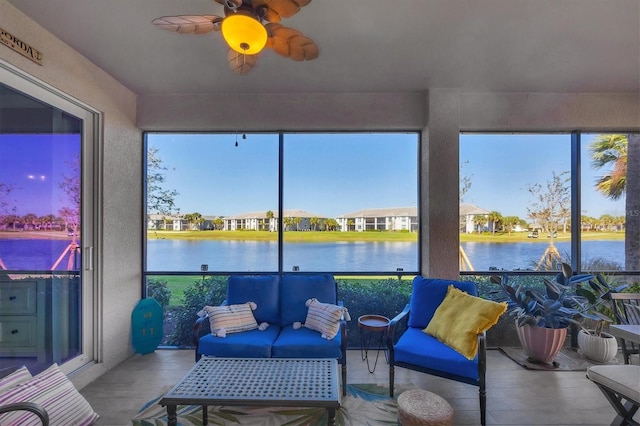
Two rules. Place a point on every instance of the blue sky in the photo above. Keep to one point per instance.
(516, 162)
(325, 174)
(334, 174)
(34, 165)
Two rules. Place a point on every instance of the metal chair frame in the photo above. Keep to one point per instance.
(624, 407)
(618, 301)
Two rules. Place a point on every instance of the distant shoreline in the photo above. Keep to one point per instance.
(34, 235)
(367, 236)
(292, 236)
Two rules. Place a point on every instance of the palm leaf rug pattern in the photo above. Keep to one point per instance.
(365, 404)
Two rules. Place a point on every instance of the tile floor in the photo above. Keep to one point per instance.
(515, 396)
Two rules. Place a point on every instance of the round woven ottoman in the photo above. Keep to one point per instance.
(421, 407)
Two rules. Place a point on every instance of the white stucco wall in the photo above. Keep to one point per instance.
(71, 73)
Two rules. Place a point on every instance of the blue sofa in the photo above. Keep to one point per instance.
(280, 301)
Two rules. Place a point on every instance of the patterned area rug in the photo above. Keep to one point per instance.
(364, 405)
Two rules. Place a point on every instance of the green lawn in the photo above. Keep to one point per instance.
(177, 284)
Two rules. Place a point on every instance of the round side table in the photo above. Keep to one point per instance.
(369, 325)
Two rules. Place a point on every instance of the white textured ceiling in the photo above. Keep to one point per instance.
(367, 46)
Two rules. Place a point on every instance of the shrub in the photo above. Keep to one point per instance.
(159, 290)
(386, 297)
(209, 291)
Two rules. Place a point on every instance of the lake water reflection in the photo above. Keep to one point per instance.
(512, 256)
(184, 255)
(188, 255)
(177, 255)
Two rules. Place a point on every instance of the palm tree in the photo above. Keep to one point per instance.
(610, 151)
(632, 226)
(510, 222)
(479, 221)
(622, 154)
(350, 224)
(495, 218)
(270, 216)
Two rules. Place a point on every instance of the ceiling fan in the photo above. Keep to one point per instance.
(248, 26)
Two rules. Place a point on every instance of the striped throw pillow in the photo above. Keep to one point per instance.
(56, 394)
(21, 375)
(325, 318)
(231, 318)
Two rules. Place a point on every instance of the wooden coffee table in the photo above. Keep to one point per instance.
(271, 382)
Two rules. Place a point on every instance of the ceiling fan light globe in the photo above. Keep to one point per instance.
(244, 34)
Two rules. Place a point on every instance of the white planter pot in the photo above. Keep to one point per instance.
(600, 349)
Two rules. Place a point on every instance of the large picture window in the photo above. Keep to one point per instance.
(331, 202)
(531, 201)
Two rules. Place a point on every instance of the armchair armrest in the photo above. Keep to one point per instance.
(34, 408)
(392, 325)
(197, 331)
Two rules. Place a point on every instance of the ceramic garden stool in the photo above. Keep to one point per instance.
(421, 407)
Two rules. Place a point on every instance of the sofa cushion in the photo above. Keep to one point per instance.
(18, 376)
(55, 393)
(248, 344)
(417, 348)
(264, 290)
(229, 319)
(428, 293)
(461, 317)
(324, 318)
(296, 289)
(305, 343)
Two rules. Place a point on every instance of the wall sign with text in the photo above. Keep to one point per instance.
(14, 43)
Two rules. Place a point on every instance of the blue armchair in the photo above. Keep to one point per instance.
(418, 351)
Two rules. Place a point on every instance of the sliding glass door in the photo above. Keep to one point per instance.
(46, 238)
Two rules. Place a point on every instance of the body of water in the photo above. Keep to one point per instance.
(526, 255)
(189, 255)
(35, 255)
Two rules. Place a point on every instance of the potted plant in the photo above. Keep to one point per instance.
(595, 343)
(542, 318)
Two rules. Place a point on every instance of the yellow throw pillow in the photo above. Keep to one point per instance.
(460, 318)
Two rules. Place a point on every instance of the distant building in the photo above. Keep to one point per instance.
(383, 219)
(293, 220)
(160, 222)
(469, 215)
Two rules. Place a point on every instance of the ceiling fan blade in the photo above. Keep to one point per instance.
(302, 48)
(281, 8)
(268, 15)
(241, 63)
(291, 43)
(189, 24)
